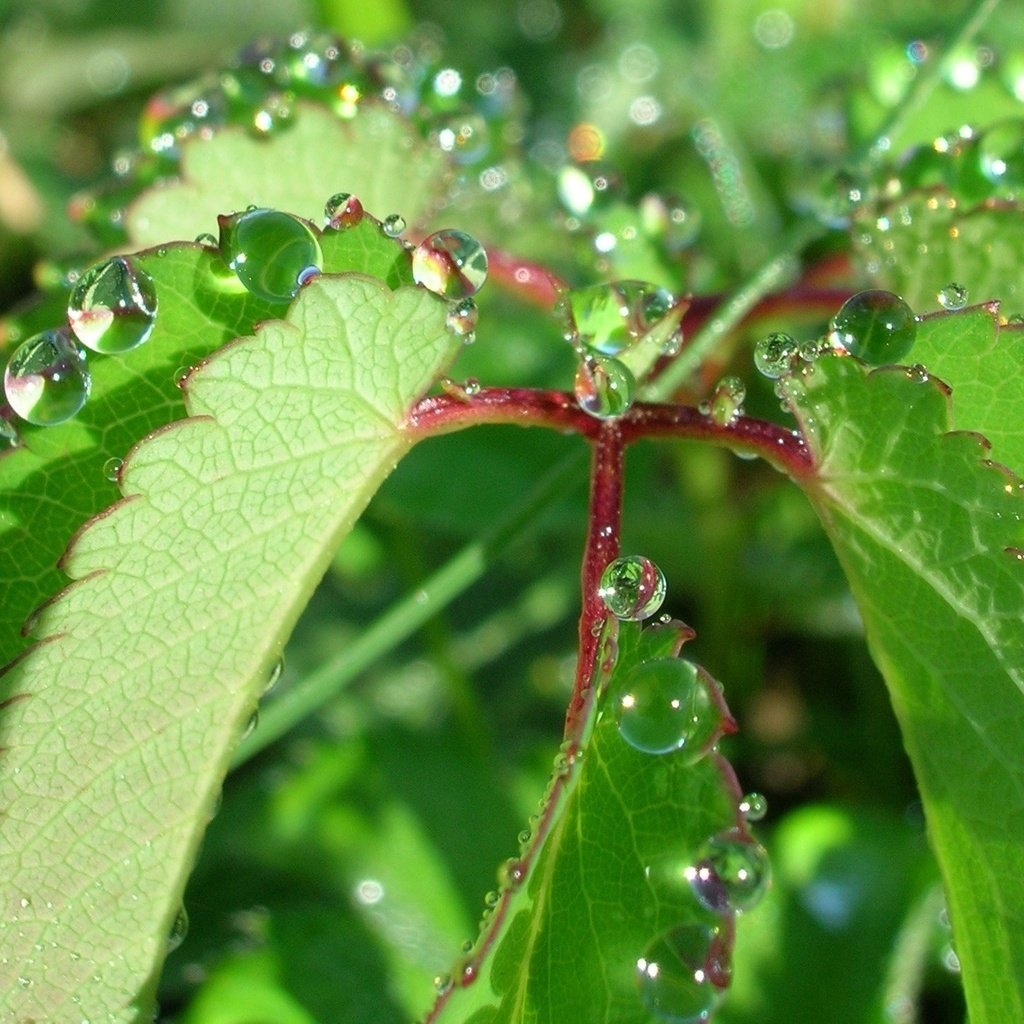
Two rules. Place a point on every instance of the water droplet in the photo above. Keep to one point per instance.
(607, 318)
(179, 929)
(731, 873)
(47, 380)
(268, 251)
(462, 318)
(875, 326)
(774, 355)
(112, 469)
(207, 240)
(726, 403)
(112, 309)
(443, 984)
(604, 388)
(684, 972)
(917, 373)
(754, 807)
(669, 704)
(250, 724)
(632, 587)
(342, 211)
(274, 676)
(952, 296)
(584, 188)
(393, 225)
(464, 135)
(1000, 154)
(450, 263)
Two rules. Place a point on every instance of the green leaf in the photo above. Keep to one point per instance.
(917, 245)
(377, 156)
(984, 365)
(56, 479)
(920, 521)
(120, 723)
(608, 878)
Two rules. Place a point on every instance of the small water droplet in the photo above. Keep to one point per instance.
(952, 296)
(667, 705)
(726, 403)
(606, 319)
(513, 872)
(47, 380)
(876, 326)
(753, 807)
(443, 984)
(393, 225)
(450, 263)
(179, 929)
(250, 724)
(632, 587)
(492, 899)
(917, 373)
(731, 873)
(1000, 154)
(684, 972)
(774, 354)
(274, 676)
(113, 307)
(268, 251)
(604, 388)
(112, 469)
(207, 240)
(342, 211)
(462, 319)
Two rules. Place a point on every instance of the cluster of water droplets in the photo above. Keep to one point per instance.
(604, 321)
(477, 120)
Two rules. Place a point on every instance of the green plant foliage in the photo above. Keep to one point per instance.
(922, 523)
(377, 156)
(207, 515)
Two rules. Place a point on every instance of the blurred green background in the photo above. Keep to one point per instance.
(349, 860)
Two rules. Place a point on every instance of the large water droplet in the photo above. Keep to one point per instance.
(604, 388)
(684, 972)
(47, 380)
(774, 355)
(669, 704)
(608, 318)
(632, 587)
(112, 469)
(875, 326)
(269, 251)
(952, 296)
(342, 211)
(450, 263)
(753, 807)
(731, 873)
(462, 318)
(726, 402)
(113, 306)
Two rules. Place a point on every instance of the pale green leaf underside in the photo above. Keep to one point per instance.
(185, 594)
(377, 156)
(571, 936)
(920, 523)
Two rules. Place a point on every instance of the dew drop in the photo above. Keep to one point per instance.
(683, 973)
(774, 355)
(450, 263)
(250, 724)
(731, 873)
(1000, 154)
(113, 306)
(274, 676)
(443, 984)
(726, 403)
(393, 225)
(753, 807)
(604, 388)
(342, 211)
(112, 469)
(179, 929)
(47, 380)
(269, 251)
(632, 587)
(207, 240)
(917, 373)
(669, 704)
(606, 319)
(461, 320)
(952, 296)
(875, 326)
